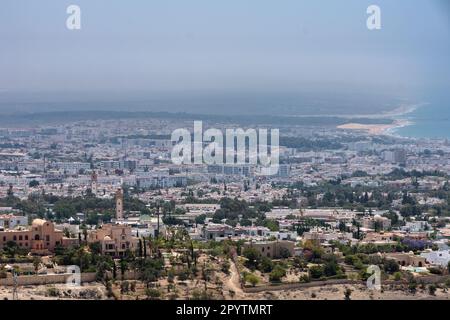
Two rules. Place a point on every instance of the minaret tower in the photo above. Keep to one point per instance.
(94, 182)
(119, 204)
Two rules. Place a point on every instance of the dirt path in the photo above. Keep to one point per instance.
(233, 283)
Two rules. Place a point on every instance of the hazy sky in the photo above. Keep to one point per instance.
(222, 45)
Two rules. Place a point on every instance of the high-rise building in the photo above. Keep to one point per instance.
(395, 156)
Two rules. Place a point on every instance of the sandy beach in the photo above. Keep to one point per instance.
(376, 129)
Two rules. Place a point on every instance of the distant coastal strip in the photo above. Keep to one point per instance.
(39, 118)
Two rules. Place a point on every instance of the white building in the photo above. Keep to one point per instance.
(72, 167)
(438, 258)
(9, 221)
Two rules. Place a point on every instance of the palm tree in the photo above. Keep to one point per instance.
(140, 248)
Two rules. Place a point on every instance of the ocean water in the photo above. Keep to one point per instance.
(431, 120)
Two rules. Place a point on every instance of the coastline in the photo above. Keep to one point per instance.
(402, 110)
(397, 116)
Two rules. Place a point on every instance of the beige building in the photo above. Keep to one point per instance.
(114, 239)
(376, 222)
(40, 238)
(272, 249)
(406, 259)
(379, 238)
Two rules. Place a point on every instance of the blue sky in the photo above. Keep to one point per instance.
(212, 45)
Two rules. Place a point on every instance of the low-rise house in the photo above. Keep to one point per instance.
(254, 231)
(444, 233)
(439, 258)
(200, 208)
(415, 226)
(379, 238)
(376, 222)
(319, 236)
(283, 235)
(328, 214)
(214, 231)
(406, 259)
(273, 249)
(10, 221)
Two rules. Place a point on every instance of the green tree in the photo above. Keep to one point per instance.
(123, 265)
(432, 289)
(152, 293)
(36, 264)
(347, 294)
(266, 265)
(151, 269)
(11, 249)
(391, 266)
(252, 279)
(124, 287)
(316, 272)
(200, 219)
(253, 258)
(33, 183)
(277, 274)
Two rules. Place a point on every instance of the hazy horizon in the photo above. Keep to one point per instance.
(205, 56)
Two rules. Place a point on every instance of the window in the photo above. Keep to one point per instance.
(14, 238)
(26, 244)
(47, 238)
(26, 237)
(4, 238)
(20, 238)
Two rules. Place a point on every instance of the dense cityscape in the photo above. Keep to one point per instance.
(105, 196)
